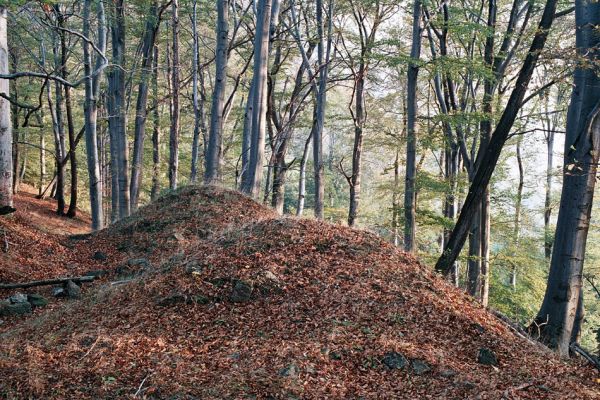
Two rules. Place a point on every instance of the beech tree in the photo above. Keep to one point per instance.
(6, 157)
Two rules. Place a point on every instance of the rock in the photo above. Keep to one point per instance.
(59, 291)
(193, 268)
(271, 276)
(138, 262)
(97, 273)
(290, 371)
(18, 298)
(172, 299)
(200, 299)
(100, 256)
(37, 300)
(72, 290)
(8, 309)
(419, 367)
(334, 355)
(394, 360)
(447, 373)
(487, 357)
(241, 292)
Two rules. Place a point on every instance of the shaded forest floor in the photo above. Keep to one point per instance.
(206, 294)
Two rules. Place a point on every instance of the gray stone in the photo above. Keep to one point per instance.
(97, 273)
(18, 298)
(448, 373)
(8, 309)
(59, 291)
(72, 290)
(487, 357)
(172, 299)
(138, 262)
(37, 300)
(100, 256)
(241, 292)
(419, 367)
(394, 360)
(290, 371)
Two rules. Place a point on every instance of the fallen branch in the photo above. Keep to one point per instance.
(517, 329)
(76, 279)
(585, 354)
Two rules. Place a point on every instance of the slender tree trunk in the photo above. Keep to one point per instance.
(42, 156)
(150, 32)
(174, 131)
(302, 178)
(359, 124)
(117, 119)
(91, 113)
(195, 95)
(214, 151)
(6, 159)
(562, 308)
(155, 129)
(410, 190)
(323, 53)
(60, 134)
(518, 203)
(251, 181)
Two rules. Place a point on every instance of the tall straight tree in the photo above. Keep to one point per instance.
(561, 311)
(214, 150)
(195, 100)
(6, 159)
(92, 91)
(174, 131)
(251, 181)
(324, 55)
(117, 116)
(149, 38)
(410, 189)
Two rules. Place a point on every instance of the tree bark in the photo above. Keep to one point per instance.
(410, 189)
(562, 308)
(6, 159)
(214, 150)
(252, 183)
(91, 113)
(117, 119)
(149, 39)
(174, 131)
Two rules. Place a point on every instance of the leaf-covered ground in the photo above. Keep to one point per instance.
(238, 303)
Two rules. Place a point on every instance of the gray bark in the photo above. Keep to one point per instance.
(214, 150)
(174, 131)
(117, 118)
(562, 305)
(6, 158)
(410, 189)
(155, 129)
(91, 113)
(149, 39)
(251, 181)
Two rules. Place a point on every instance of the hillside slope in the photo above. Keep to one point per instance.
(237, 303)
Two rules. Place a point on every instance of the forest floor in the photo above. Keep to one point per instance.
(209, 295)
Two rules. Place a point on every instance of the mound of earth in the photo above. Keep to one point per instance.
(252, 306)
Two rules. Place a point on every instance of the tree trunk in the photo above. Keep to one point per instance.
(155, 129)
(117, 119)
(490, 157)
(195, 95)
(410, 189)
(214, 150)
(91, 113)
(251, 181)
(302, 178)
(6, 160)
(150, 32)
(359, 123)
(561, 307)
(174, 131)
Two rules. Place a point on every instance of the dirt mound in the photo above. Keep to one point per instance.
(256, 306)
